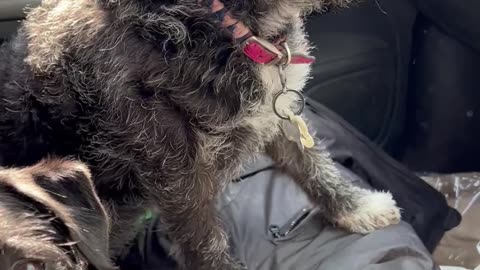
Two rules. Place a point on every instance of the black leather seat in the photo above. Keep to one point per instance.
(459, 19)
(363, 54)
(405, 73)
(444, 101)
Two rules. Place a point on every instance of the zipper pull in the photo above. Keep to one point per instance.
(278, 232)
(275, 230)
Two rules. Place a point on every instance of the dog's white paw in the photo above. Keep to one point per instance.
(375, 210)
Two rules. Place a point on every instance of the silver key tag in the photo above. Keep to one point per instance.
(292, 133)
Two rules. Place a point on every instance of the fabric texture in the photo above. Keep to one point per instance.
(269, 199)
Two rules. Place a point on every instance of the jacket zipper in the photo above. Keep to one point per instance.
(280, 232)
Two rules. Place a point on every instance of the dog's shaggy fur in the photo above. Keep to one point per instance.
(51, 218)
(165, 108)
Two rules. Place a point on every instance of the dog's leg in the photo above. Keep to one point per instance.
(187, 209)
(355, 209)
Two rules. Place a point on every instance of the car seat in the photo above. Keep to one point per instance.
(405, 73)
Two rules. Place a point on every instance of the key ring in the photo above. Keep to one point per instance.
(283, 78)
(281, 93)
(281, 68)
(285, 90)
(289, 55)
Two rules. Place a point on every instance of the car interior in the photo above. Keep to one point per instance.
(404, 73)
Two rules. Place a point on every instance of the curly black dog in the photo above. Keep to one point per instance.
(165, 100)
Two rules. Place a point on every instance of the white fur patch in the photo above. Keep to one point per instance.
(376, 210)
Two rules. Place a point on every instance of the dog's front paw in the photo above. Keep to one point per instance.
(375, 210)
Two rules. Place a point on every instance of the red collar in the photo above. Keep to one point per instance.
(258, 50)
(266, 53)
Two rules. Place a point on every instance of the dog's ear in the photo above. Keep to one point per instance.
(65, 189)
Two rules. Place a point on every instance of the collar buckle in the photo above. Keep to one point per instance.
(264, 52)
(261, 51)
